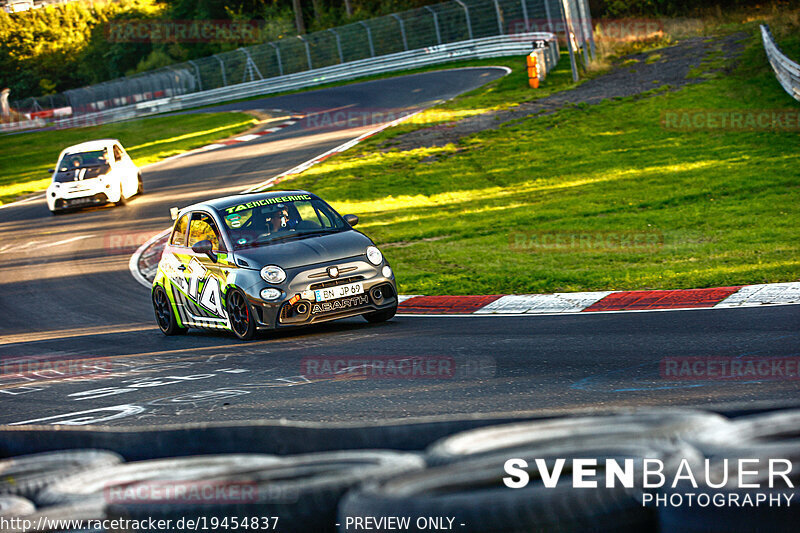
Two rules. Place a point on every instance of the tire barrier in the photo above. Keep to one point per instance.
(705, 515)
(761, 438)
(26, 475)
(508, 439)
(303, 490)
(463, 476)
(93, 486)
(274, 437)
(271, 437)
(473, 493)
(15, 506)
(777, 431)
(75, 512)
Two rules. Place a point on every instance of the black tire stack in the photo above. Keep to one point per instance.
(460, 476)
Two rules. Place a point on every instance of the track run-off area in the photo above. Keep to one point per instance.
(69, 302)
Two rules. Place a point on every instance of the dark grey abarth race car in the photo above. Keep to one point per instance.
(268, 260)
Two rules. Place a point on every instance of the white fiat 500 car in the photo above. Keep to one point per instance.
(93, 173)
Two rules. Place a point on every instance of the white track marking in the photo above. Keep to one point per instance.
(245, 138)
(771, 293)
(72, 239)
(133, 263)
(543, 303)
(83, 418)
(24, 201)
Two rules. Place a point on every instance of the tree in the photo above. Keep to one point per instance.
(298, 17)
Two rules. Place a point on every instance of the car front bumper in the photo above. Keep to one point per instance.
(297, 305)
(87, 192)
(79, 201)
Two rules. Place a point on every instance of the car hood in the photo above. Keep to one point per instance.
(307, 251)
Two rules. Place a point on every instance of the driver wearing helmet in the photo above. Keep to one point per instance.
(278, 218)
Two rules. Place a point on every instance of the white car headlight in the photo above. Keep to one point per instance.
(374, 255)
(273, 274)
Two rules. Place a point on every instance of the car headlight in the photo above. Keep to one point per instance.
(374, 255)
(270, 294)
(273, 274)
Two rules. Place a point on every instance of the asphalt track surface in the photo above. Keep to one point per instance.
(68, 301)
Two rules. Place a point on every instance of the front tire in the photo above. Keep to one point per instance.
(380, 316)
(240, 314)
(165, 316)
(121, 200)
(140, 188)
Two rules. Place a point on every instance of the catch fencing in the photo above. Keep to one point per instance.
(398, 41)
(786, 70)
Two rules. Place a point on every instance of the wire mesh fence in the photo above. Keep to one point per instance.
(426, 27)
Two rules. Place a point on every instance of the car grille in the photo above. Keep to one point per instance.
(335, 282)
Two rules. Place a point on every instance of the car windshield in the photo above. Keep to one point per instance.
(77, 166)
(275, 219)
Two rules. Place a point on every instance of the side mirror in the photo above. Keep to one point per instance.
(51, 170)
(205, 247)
(173, 212)
(351, 219)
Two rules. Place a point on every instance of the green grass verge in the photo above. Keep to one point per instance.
(722, 204)
(26, 157)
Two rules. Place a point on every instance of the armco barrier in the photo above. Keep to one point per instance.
(786, 70)
(519, 44)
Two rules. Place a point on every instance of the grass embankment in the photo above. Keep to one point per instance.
(721, 203)
(26, 157)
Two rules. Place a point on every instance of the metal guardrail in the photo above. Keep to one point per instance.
(786, 70)
(508, 45)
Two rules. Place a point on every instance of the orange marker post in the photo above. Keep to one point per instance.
(533, 71)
